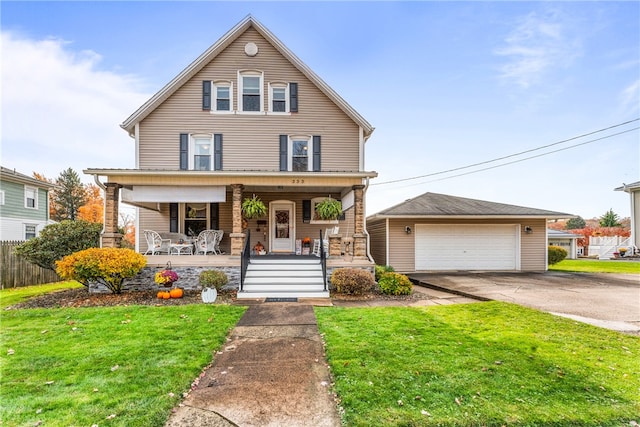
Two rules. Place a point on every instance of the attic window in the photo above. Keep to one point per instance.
(223, 93)
(250, 91)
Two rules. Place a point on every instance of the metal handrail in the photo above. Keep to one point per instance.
(323, 262)
(245, 258)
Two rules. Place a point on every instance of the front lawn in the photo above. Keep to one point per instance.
(115, 366)
(483, 364)
(597, 266)
(13, 296)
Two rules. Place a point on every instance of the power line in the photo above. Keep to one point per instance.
(511, 155)
(519, 160)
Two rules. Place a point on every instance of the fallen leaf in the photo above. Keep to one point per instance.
(423, 412)
(112, 416)
(10, 352)
(400, 403)
(458, 402)
(44, 332)
(114, 368)
(49, 382)
(39, 411)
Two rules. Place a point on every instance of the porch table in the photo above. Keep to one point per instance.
(181, 249)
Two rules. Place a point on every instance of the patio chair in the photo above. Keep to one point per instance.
(325, 241)
(155, 243)
(216, 246)
(206, 242)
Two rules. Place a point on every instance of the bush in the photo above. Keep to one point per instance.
(381, 269)
(556, 254)
(213, 278)
(352, 281)
(59, 240)
(108, 266)
(395, 284)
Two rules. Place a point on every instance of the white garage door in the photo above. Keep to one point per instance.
(467, 247)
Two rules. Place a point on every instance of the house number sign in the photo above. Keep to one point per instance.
(297, 181)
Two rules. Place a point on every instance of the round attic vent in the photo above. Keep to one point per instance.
(251, 49)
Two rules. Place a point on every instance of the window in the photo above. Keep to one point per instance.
(278, 93)
(199, 217)
(251, 91)
(202, 150)
(223, 93)
(300, 155)
(31, 197)
(29, 231)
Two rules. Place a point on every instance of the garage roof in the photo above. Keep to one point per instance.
(433, 205)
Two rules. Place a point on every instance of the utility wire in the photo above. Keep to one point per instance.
(511, 155)
(517, 161)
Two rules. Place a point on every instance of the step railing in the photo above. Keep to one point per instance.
(245, 258)
(323, 262)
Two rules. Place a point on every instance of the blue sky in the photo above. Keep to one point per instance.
(446, 85)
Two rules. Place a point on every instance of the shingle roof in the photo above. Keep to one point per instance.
(442, 205)
(7, 174)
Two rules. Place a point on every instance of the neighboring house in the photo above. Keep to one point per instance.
(634, 192)
(441, 232)
(24, 205)
(567, 241)
(246, 118)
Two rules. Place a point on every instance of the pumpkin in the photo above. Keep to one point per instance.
(176, 293)
(165, 295)
(159, 295)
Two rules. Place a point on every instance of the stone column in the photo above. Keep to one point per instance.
(335, 246)
(110, 237)
(237, 236)
(359, 238)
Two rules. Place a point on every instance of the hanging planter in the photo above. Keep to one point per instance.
(253, 208)
(329, 209)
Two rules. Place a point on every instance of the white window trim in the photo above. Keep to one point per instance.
(250, 73)
(24, 230)
(309, 140)
(287, 111)
(35, 191)
(192, 149)
(214, 95)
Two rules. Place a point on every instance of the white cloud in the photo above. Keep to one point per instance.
(538, 44)
(630, 99)
(60, 110)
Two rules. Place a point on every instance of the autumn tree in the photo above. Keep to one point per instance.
(93, 209)
(610, 219)
(574, 223)
(128, 229)
(68, 196)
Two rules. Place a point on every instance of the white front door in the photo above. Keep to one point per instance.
(283, 226)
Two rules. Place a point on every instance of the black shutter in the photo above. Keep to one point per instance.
(306, 211)
(217, 151)
(293, 97)
(184, 151)
(214, 216)
(316, 153)
(284, 144)
(206, 95)
(173, 217)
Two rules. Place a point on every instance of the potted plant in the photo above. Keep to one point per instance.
(329, 209)
(212, 281)
(166, 277)
(253, 208)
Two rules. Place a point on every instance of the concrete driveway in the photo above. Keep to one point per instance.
(607, 300)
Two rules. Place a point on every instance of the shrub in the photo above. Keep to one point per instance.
(352, 281)
(59, 240)
(381, 269)
(395, 284)
(213, 278)
(108, 266)
(556, 254)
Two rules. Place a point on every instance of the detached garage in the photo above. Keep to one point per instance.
(437, 232)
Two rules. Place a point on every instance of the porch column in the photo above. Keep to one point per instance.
(237, 236)
(110, 237)
(359, 238)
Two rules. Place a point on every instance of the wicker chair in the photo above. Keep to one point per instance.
(155, 243)
(207, 241)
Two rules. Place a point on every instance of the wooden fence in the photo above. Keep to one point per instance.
(16, 272)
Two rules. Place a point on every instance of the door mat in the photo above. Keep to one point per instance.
(271, 299)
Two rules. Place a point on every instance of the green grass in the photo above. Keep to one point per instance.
(597, 266)
(483, 364)
(113, 366)
(15, 295)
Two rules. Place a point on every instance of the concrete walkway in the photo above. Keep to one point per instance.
(271, 372)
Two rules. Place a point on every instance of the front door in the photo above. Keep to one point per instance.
(283, 230)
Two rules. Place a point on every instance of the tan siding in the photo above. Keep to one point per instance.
(401, 245)
(533, 247)
(250, 141)
(377, 235)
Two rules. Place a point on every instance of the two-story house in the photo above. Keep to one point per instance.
(24, 205)
(246, 118)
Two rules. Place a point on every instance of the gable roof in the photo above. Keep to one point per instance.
(12, 175)
(634, 186)
(215, 49)
(433, 205)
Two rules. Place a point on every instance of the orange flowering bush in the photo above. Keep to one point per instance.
(108, 266)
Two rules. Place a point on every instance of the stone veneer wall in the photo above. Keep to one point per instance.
(188, 279)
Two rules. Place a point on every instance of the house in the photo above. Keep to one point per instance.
(567, 241)
(24, 205)
(634, 192)
(442, 232)
(246, 118)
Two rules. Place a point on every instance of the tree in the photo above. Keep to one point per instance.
(58, 240)
(610, 219)
(68, 196)
(93, 209)
(575, 223)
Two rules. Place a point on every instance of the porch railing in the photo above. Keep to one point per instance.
(323, 262)
(245, 258)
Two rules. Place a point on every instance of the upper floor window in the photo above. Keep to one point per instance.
(223, 92)
(300, 155)
(29, 231)
(200, 152)
(278, 93)
(31, 197)
(250, 90)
